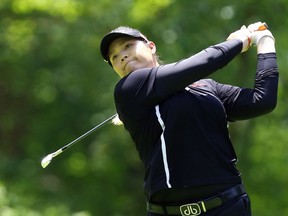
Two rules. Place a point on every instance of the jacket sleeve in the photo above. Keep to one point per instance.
(144, 88)
(245, 103)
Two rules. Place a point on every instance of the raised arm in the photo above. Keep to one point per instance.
(174, 77)
(262, 99)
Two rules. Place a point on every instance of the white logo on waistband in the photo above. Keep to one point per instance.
(190, 209)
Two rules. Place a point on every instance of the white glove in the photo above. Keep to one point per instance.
(258, 35)
(244, 35)
(258, 26)
(259, 30)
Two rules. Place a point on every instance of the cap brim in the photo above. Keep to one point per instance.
(107, 40)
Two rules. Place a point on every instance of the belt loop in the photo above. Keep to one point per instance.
(203, 206)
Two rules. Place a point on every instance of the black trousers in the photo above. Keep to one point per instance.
(239, 206)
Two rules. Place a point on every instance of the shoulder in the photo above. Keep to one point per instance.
(131, 85)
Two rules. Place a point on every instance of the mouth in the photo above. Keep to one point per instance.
(127, 62)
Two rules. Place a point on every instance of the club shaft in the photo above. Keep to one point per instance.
(87, 133)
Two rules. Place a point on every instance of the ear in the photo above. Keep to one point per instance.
(152, 46)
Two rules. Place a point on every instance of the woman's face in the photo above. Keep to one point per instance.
(127, 54)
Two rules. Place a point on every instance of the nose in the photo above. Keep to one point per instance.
(124, 57)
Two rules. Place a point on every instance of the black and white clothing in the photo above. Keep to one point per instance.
(178, 119)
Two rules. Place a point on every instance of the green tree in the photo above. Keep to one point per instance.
(54, 86)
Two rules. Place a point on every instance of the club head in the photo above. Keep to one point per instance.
(46, 160)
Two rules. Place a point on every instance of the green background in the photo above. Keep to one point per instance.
(54, 86)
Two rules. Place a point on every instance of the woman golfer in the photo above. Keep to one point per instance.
(178, 119)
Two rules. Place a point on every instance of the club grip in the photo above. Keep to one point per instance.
(263, 27)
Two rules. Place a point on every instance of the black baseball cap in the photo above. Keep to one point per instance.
(117, 33)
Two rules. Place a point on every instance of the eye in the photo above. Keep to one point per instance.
(114, 57)
(127, 46)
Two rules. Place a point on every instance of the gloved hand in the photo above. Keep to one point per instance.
(243, 34)
(259, 30)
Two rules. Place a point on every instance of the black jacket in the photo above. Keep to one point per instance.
(178, 120)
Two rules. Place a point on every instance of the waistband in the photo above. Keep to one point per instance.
(190, 209)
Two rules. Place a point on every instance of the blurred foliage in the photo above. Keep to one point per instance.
(54, 86)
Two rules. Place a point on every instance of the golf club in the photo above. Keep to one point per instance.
(46, 160)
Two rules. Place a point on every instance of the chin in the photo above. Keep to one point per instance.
(131, 69)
